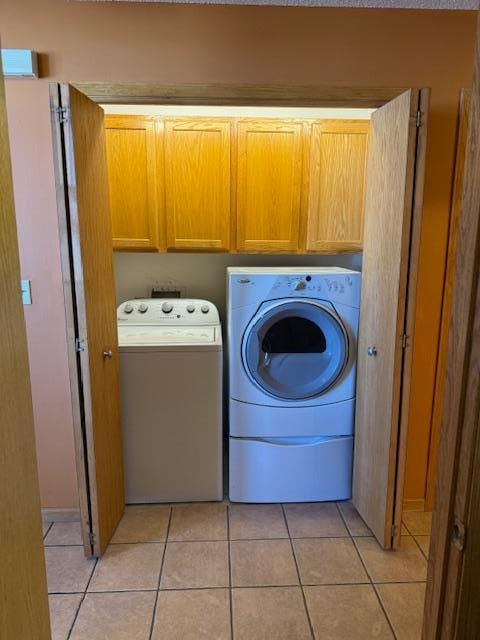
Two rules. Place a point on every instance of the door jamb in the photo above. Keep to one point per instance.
(410, 306)
(460, 426)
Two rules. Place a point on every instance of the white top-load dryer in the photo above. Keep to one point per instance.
(292, 339)
(171, 399)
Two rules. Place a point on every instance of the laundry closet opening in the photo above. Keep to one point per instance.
(282, 181)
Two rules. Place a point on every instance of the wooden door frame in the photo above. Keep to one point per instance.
(259, 95)
(23, 583)
(299, 96)
(450, 570)
(447, 296)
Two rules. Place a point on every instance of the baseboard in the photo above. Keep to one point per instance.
(414, 505)
(61, 515)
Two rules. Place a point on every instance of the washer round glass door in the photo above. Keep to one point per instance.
(295, 349)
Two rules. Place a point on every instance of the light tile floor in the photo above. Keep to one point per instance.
(238, 572)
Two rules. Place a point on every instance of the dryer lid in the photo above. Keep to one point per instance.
(295, 349)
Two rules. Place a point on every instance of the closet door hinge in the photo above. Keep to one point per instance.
(91, 538)
(62, 114)
(393, 530)
(79, 345)
(404, 340)
(419, 119)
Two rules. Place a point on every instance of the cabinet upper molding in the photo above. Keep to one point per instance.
(463, 5)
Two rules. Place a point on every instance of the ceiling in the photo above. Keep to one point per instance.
(377, 4)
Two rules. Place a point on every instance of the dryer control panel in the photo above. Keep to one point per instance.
(247, 286)
(168, 311)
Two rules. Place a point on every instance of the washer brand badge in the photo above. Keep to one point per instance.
(244, 281)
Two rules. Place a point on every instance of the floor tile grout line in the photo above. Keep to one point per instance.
(387, 618)
(374, 586)
(230, 591)
(82, 599)
(155, 606)
(344, 537)
(367, 573)
(236, 588)
(418, 545)
(61, 546)
(307, 612)
(408, 530)
(47, 531)
(344, 521)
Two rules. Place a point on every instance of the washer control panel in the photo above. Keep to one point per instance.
(174, 311)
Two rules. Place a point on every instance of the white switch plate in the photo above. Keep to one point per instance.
(26, 292)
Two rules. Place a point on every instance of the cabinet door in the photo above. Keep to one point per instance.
(336, 191)
(131, 164)
(269, 177)
(197, 184)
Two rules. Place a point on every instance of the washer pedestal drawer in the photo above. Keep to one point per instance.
(291, 469)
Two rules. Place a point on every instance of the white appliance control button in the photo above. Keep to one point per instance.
(167, 307)
(190, 308)
(300, 285)
(128, 308)
(205, 308)
(143, 307)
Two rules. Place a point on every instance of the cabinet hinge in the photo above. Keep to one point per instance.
(91, 538)
(418, 119)
(79, 345)
(62, 114)
(459, 534)
(404, 340)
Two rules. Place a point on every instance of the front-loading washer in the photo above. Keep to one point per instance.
(292, 336)
(171, 399)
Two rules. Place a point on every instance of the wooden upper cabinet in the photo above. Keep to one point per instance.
(131, 162)
(254, 185)
(197, 183)
(336, 185)
(269, 185)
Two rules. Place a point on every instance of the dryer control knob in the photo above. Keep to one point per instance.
(205, 308)
(167, 307)
(190, 308)
(128, 308)
(300, 285)
(143, 307)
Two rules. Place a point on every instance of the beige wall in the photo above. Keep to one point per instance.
(173, 44)
(32, 164)
(200, 275)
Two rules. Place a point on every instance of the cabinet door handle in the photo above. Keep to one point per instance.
(108, 355)
(372, 351)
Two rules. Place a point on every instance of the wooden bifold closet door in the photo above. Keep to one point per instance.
(394, 192)
(87, 264)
